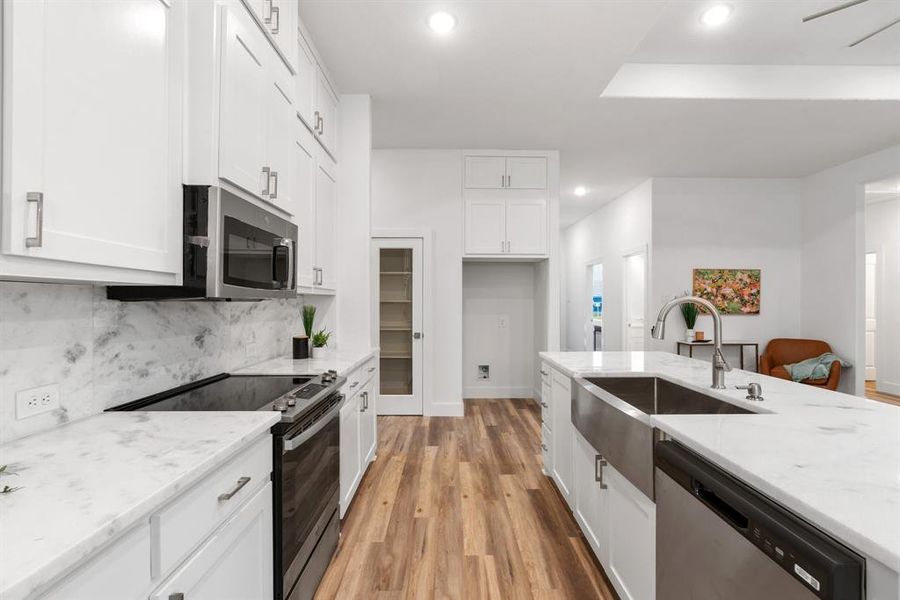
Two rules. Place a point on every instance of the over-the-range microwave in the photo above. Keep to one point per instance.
(233, 250)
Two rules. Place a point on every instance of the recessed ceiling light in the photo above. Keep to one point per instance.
(442, 22)
(580, 191)
(715, 15)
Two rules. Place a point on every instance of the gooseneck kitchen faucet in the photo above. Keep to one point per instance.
(719, 365)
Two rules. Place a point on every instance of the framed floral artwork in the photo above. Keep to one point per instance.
(732, 291)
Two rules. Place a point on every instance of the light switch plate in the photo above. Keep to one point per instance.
(37, 400)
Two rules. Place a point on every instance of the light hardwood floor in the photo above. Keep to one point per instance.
(872, 394)
(458, 508)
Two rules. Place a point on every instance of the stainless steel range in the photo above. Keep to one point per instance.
(306, 462)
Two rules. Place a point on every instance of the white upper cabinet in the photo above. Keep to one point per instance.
(242, 104)
(305, 170)
(92, 141)
(485, 172)
(280, 141)
(278, 18)
(306, 80)
(498, 173)
(526, 226)
(326, 114)
(326, 224)
(485, 226)
(526, 173)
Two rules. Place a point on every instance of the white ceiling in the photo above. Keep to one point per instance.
(529, 74)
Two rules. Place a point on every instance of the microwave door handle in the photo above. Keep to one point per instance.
(298, 440)
(291, 271)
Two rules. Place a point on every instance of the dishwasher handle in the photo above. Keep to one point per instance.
(720, 506)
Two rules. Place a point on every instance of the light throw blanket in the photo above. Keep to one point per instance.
(814, 368)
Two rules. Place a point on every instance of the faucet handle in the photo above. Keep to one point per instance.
(754, 391)
(719, 358)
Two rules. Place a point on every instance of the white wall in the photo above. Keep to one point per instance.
(606, 235)
(833, 257)
(354, 318)
(419, 190)
(883, 238)
(499, 329)
(728, 223)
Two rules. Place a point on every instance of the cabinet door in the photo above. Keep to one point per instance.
(591, 500)
(485, 172)
(526, 173)
(547, 450)
(326, 220)
(306, 81)
(367, 424)
(351, 468)
(526, 226)
(92, 133)
(562, 434)
(282, 26)
(631, 564)
(236, 561)
(485, 226)
(280, 142)
(244, 95)
(305, 202)
(326, 104)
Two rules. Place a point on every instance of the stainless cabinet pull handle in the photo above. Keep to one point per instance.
(38, 239)
(544, 447)
(316, 118)
(543, 372)
(503, 181)
(276, 15)
(176, 596)
(268, 19)
(544, 404)
(265, 172)
(274, 193)
(354, 384)
(229, 495)
(371, 369)
(321, 126)
(599, 463)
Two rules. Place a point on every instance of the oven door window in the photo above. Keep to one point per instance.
(310, 480)
(253, 257)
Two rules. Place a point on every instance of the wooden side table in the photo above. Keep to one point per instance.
(740, 344)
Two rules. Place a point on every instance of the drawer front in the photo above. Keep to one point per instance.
(184, 524)
(545, 373)
(359, 377)
(546, 399)
(121, 571)
(546, 445)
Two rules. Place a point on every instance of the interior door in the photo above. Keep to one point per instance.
(635, 277)
(245, 89)
(92, 118)
(326, 221)
(485, 226)
(399, 290)
(526, 173)
(526, 226)
(485, 172)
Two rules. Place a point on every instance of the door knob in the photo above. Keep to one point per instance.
(417, 335)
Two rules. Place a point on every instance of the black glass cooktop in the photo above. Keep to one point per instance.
(223, 392)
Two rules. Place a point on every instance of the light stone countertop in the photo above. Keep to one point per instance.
(342, 361)
(85, 483)
(830, 457)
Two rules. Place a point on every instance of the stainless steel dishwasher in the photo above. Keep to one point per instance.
(717, 538)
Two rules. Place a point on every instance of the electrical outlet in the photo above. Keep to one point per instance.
(484, 371)
(37, 400)
(502, 323)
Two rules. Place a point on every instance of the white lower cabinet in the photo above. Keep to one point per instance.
(563, 436)
(619, 522)
(359, 433)
(236, 562)
(214, 541)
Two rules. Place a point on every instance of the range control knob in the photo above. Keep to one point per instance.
(280, 405)
(291, 402)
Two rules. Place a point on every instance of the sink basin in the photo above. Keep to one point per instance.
(622, 437)
(655, 396)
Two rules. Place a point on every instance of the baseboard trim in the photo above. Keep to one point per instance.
(499, 392)
(446, 409)
(887, 387)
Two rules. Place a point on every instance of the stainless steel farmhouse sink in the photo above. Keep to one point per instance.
(612, 413)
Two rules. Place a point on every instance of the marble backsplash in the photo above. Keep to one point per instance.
(104, 352)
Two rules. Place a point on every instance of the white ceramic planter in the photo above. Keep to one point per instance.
(689, 335)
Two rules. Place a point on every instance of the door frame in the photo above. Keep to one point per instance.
(640, 250)
(425, 368)
(587, 327)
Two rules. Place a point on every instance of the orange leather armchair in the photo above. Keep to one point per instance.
(786, 351)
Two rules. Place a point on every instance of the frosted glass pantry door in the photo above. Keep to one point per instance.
(399, 292)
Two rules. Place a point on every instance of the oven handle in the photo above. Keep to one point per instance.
(298, 440)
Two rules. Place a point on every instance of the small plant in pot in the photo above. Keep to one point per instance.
(319, 341)
(689, 311)
(301, 342)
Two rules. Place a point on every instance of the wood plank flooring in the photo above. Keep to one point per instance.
(873, 394)
(458, 508)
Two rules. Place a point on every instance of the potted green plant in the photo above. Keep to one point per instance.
(301, 342)
(689, 311)
(319, 341)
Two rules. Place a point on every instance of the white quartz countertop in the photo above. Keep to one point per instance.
(84, 483)
(830, 457)
(342, 361)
